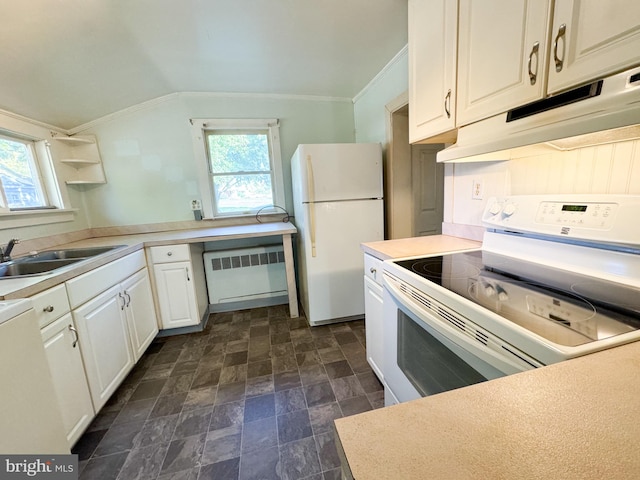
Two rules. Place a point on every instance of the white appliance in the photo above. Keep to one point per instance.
(609, 103)
(337, 195)
(557, 277)
(245, 278)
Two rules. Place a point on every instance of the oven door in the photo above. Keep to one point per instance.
(424, 356)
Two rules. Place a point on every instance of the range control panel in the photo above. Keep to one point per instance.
(602, 218)
(588, 215)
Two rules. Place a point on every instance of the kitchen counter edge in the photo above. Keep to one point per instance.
(27, 287)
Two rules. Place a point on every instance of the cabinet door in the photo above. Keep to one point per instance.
(104, 343)
(373, 317)
(69, 380)
(591, 40)
(140, 312)
(176, 294)
(501, 56)
(432, 68)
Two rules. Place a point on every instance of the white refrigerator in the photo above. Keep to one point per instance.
(338, 204)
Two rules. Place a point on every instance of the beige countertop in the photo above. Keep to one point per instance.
(572, 420)
(26, 287)
(409, 247)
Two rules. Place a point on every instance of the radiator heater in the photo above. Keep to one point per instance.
(246, 278)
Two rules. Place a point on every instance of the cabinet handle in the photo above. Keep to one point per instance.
(124, 302)
(373, 270)
(534, 51)
(188, 278)
(559, 61)
(169, 254)
(48, 309)
(126, 294)
(75, 334)
(447, 104)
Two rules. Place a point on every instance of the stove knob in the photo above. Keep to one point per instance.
(495, 208)
(509, 209)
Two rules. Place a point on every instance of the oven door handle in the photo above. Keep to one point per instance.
(507, 361)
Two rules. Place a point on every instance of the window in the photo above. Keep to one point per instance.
(20, 179)
(244, 172)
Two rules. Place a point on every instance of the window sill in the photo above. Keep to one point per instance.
(36, 217)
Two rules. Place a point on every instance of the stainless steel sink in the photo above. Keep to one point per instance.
(68, 253)
(23, 269)
(49, 261)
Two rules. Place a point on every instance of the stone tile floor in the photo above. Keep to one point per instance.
(253, 396)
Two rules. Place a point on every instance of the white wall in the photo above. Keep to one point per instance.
(148, 154)
(369, 105)
(613, 168)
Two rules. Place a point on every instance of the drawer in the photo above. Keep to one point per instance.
(170, 253)
(373, 268)
(50, 305)
(88, 285)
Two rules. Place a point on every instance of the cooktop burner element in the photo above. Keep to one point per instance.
(431, 268)
(561, 306)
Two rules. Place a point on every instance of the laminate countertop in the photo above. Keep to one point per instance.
(11, 288)
(572, 420)
(410, 247)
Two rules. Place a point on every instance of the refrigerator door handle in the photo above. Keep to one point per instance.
(312, 207)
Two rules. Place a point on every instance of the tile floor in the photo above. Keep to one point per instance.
(253, 396)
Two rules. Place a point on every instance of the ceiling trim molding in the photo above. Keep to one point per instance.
(165, 98)
(399, 56)
(125, 111)
(32, 121)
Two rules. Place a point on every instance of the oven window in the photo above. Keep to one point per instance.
(428, 364)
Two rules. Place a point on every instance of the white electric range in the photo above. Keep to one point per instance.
(557, 277)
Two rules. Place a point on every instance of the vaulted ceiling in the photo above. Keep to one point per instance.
(67, 62)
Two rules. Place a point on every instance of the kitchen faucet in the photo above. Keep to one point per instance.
(5, 253)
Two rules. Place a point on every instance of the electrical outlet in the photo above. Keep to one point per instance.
(478, 189)
(195, 205)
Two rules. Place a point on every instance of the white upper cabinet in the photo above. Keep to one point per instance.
(592, 39)
(471, 60)
(501, 57)
(432, 69)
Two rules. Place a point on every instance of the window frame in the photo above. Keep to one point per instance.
(200, 127)
(36, 170)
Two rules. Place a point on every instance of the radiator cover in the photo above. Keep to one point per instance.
(254, 276)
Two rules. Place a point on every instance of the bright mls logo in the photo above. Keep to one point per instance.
(50, 467)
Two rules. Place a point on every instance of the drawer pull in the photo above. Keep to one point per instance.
(48, 309)
(373, 270)
(75, 334)
(169, 254)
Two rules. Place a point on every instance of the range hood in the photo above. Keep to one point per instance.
(609, 103)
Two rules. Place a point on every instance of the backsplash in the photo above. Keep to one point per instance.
(612, 168)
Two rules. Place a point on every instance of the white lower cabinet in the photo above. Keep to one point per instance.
(104, 342)
(139, 309)
(176, 294)
(69, 381)
(113, 310)
(374, 314)
(179, 282)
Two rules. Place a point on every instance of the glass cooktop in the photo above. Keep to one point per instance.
(562, 306)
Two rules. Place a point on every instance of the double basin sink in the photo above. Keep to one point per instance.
(49, 261)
